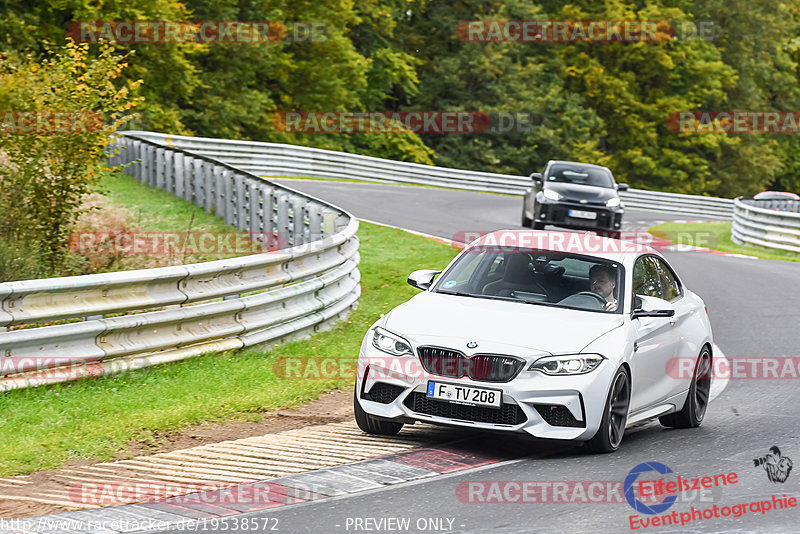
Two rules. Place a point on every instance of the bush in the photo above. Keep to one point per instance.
(56, 119)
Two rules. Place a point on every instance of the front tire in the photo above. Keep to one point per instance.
(615, 416)
(538, 226)
(694, 409)
(373, 425)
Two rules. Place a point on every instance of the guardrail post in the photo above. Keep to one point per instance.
(130, 159)
(267, 215)
(256, 215)
(144, 165)
(283, 218)
(169, 171)
(229, 202)
(188, 184)
(160, 167)
(136, 166)
(178, 173)
(199, 183)
(314, 221)
(149, 165)
(209, 182)
(299, 222)
(219, 191)
(241, 202)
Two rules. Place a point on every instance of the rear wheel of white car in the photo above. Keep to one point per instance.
(615, 416)
(694, 409)
(373, 425)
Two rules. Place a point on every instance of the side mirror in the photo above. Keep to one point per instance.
(536, 177)
(652, 307)
(622, 187)
(422, 279)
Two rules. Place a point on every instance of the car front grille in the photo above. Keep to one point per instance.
(507, 414)
(382, 393)
(557, 415)
(481, 367)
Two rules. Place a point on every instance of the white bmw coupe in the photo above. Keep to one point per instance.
(559, 335)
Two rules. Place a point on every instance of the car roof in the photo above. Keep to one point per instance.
(583, 243)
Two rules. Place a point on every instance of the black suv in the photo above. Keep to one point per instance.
(574, 195)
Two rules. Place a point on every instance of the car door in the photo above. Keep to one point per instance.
(656, 342)
(672, 291)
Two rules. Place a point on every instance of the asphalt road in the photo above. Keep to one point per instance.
(754, 307)
(442, 212)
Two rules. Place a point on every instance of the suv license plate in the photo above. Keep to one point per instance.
(579, 214)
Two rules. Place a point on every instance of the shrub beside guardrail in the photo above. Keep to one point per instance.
(196, 308)
(275, 159)
(767, 223)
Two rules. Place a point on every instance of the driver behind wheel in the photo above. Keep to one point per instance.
(603, 281)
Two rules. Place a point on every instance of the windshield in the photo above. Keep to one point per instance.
(580, 175)
(536, 277)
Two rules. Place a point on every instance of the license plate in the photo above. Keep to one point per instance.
(579, 214)
(467, 395)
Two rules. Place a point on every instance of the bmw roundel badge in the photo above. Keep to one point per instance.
(472, 345)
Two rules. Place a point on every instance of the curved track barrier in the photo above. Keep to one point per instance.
(186, 310)
(274, 159)
(767, 223)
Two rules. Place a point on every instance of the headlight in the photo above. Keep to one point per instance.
(567, 364)
(552, 195)
(390, 343)
(612, 202)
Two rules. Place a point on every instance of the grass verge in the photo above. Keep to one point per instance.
(47, 426)
(716, 236)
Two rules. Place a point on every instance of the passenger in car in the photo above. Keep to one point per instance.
(603, 281)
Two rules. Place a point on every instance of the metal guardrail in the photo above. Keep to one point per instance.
(767, 223)
(274, 159)
(299, 289)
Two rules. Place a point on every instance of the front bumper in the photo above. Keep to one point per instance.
(554, 407)
(558, 214)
